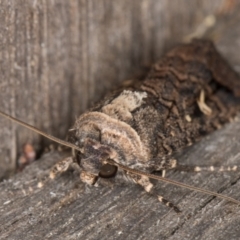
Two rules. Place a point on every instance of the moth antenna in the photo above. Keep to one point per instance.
(55, 139)
(159, 178)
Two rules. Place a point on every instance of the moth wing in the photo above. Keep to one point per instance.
(205, 52)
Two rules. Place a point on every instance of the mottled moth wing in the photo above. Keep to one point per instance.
(174, 88)
(135, 130)
(204, 52)
(168, 117)
(189, 93)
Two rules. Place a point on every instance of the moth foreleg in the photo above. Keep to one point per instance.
(149, 188)
(88, 178)
(61, 166)
(58, 168)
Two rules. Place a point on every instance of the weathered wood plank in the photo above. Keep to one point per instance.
(53, 56)
(66, 209)
(57, 57)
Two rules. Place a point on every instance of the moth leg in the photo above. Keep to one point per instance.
(58, 168)
(163, 165)
(88, 178)
(207, 168)
(157, 164)
(148, 187)
(61, 166)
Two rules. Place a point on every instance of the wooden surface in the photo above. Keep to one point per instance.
(65, 209)
(57, 57)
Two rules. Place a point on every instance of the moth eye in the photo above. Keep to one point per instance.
(108, 171)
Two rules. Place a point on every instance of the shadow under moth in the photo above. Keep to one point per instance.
(136, 129)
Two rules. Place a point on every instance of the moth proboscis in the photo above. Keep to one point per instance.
(136, 130)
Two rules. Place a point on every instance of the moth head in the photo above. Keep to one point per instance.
(93, 155)
(101, 137)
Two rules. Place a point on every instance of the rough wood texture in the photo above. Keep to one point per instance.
(57, 57)
(65, 209)
(53, 56)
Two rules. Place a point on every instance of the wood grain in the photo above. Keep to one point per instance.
(58, 57)
(66, 209)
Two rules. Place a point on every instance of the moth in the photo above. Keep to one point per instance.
(136, 129)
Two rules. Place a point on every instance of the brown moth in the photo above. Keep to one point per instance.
(134, 131)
